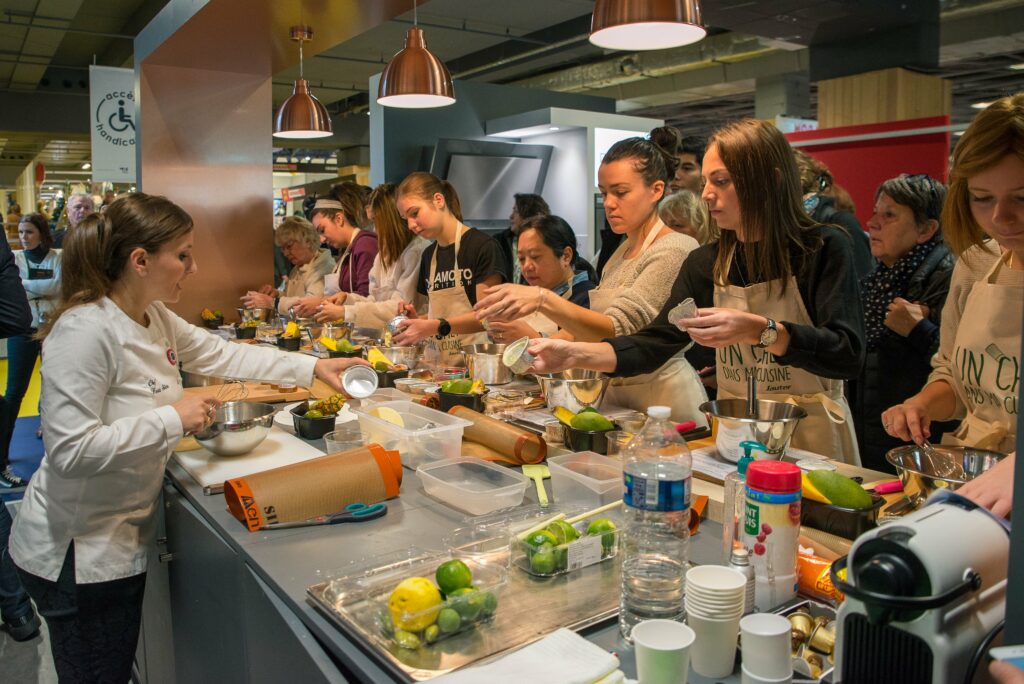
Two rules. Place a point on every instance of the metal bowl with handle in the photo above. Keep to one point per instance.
(772, 424)
(924, 471)
(575, 389)
(261, 315)
(484, 363)
(238, 428)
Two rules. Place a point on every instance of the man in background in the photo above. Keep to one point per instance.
(79, 206)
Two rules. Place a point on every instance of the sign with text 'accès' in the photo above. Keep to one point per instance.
(112, 123)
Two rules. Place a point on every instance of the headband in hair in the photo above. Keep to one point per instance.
(328, 204)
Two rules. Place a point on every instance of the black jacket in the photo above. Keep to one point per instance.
(15, 315)
(899, 366)
(826, 212)
(508, 257)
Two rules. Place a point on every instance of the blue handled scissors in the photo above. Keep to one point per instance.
(357, 512)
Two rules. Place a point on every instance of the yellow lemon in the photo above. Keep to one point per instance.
(375, 356)
(389, 414)
(292, 329)
(414, 604)
(329, 343)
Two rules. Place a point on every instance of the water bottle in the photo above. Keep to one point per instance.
(734, 501)
(657, 472)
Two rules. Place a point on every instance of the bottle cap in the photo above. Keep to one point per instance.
(773, 476)
(659, 412)
(739, 556)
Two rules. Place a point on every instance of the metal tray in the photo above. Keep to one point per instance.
(529, 609)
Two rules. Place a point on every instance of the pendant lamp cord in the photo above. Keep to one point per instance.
(415, 14)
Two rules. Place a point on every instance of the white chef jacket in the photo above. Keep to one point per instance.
(109, 428)
(388, 287)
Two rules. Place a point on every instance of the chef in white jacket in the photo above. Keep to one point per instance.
(113, 409)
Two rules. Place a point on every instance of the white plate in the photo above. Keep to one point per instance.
(283, 418)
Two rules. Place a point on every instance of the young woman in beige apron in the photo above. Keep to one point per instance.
(828, 427)
(447, 304)
(676, 384)
(986, 367)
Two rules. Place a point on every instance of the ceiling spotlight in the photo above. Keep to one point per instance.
(86, 166)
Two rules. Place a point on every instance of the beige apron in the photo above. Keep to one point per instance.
(541, 323)
(331, 280)
(447, 304)
(986, 367)
(828, 427)
(676, 384)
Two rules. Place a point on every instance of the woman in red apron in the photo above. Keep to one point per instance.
(976, 373)
(777, 295)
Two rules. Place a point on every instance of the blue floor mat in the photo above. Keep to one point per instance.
(26, 451)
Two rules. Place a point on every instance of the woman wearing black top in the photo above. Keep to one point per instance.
(778, 296)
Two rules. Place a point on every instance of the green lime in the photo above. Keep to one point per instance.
(448, 621)
(541, 537)
(314, 413)
(591, 421)
(563, 531)
(345, 346)
(468, 603)
(406, 639)
(386, 625)
(605, 528)
(452, 575)
(542, 561)
(431, 633)
(490, 604)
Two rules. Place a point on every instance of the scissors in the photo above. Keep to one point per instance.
(357, 512)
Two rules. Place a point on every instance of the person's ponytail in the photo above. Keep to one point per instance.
(451, 198)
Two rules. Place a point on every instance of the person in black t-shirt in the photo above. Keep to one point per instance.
(431, 209)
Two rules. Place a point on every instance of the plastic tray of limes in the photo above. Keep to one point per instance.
(560, 547)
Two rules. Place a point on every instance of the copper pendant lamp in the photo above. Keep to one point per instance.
(646, 24)
(415, 78)
(302, 115)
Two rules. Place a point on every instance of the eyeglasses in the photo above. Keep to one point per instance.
(927, 181)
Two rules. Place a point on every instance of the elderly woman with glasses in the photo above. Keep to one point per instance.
(300, 244)
(902, 300)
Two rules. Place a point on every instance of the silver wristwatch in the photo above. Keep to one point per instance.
(769, 334)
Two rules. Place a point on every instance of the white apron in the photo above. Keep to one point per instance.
(331, 280)
(986, 367)
(541, 323)
(828, 427)
(447, 304)
(676, 384)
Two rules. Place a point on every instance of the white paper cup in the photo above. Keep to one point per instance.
(714, 614)
(765, 639)
(662, 651)
(714, 650)
(747, 678)
(714, 580)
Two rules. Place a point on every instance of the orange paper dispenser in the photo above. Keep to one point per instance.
(367, 474)
(509, 443)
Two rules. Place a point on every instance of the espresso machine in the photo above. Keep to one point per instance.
(923, 595)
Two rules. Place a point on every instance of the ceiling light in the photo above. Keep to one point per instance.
(646, 24)
(86, 166)
(415, 78)
(302, 115)
(980, 105)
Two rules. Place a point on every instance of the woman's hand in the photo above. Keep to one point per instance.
(257, 300)
(267, 290)
(993, 489)
(196, 412)
(1005, 673)
(336, 298)
(715, 327)
(503, 332)
(552, 356)
(408, 309)
(328, 313)
(306, 306)
(903, 316)
(508, 302)
(415, 330)
(908, 421)
(330, 370)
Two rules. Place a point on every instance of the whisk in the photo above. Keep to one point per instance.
(232, 390)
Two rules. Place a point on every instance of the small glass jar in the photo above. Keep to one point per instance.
(499, 403)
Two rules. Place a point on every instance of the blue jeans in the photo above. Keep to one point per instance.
(14, 602)
(22, 352)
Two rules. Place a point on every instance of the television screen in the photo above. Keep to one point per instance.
(486, 185)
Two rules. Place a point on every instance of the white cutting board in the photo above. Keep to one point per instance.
(278, 449)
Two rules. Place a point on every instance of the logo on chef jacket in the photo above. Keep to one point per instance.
(172, 358)
(115, 118)
(446, 279)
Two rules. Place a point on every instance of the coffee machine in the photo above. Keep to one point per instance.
(923, 594)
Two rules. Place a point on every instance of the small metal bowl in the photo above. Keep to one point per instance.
(948, 467)
(574, 389)
(261, 315)
(238, 428)
(772, 425)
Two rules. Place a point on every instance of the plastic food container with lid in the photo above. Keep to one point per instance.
(471, 485)
(585, 478)
(420, 434)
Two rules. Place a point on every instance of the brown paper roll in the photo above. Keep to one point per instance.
(300, 491)
(522, 446)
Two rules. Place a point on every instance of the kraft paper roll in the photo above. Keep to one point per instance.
(522, 446)
(367, 474)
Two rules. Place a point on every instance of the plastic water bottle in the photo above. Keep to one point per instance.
(657, 471)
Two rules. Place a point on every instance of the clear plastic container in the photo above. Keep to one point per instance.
(545, 560)
(471, 485)
(383, 394)
(586, 479)
(425, 435)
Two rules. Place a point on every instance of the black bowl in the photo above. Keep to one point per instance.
(356, 353)
(213, 323)
(245, 332)
(289, 343)
(587, 440)
(472, 401)
(311, 428)
(849, 523)
(387, 378)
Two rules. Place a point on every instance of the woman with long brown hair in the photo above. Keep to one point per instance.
(113, 409)
(777, 296)
(395, 271)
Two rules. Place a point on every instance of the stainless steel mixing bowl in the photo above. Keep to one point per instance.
(772, 424)
(484, 363)
(948, 467)
(407, 356)
(238, 428)
(261, 315)
(575, 389)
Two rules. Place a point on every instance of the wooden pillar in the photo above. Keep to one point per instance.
(882, 96)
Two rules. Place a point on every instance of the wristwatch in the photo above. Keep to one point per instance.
(444, 328)
(769, 334)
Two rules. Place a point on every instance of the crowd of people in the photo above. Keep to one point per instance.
(907, 331)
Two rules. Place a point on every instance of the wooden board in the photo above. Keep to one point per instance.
(259, 392)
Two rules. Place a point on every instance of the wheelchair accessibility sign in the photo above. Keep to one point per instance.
(113, 126)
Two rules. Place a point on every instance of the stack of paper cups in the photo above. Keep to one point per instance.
(714, 605)
(766, 649)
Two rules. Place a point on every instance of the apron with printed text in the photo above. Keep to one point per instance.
(675, 384)
(986, 364)
(828, 427)
(447, 304)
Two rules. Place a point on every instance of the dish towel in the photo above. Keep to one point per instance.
(562, 657)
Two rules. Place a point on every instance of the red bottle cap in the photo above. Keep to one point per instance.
(773, 476)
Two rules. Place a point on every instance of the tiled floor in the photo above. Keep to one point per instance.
(26, 662)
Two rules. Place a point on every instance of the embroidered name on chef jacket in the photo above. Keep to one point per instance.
(446, 279)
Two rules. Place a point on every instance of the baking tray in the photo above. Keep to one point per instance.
(530, 608)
